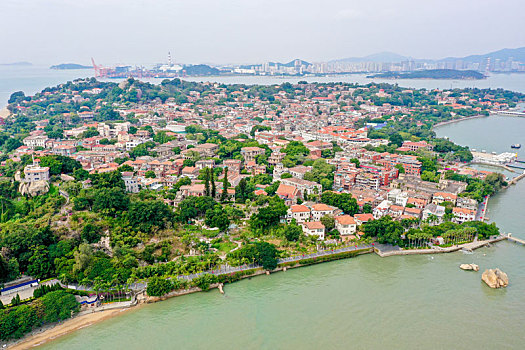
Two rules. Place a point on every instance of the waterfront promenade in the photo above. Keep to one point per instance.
(227, 269)
(438, 250)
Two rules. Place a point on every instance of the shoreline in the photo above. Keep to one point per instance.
(502, 166)
(51, 332)
(43, 335)
(459, 120)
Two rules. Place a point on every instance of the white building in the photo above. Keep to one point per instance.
(346, 225)
(382, 209)
(314, 228)
(131, 183)
(398, 197)
(462, 215)
(300, 213)
(35, 141)
(34, 172)
(320, 210)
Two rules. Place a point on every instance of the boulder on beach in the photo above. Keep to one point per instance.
(495, 278)
(469, 267)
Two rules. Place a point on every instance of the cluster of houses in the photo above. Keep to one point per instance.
(319, 116)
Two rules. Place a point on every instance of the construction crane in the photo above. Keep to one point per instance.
(96, 68)
(100, 71)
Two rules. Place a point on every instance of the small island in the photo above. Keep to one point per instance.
(14, 64)
(64, 66)
(432, 74)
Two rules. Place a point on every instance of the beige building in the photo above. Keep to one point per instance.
(35, 172)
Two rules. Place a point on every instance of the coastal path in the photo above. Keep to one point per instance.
(515, 240)
(510, 113)
(227, 269)
(481, 213)
(515, 179)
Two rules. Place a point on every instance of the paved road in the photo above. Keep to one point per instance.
(481, 213)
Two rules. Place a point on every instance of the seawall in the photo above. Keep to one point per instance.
(467, 246)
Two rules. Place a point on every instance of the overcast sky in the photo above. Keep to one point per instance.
(250, 31)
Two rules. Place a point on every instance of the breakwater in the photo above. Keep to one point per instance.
(439, 250)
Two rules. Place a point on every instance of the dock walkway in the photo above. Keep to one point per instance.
(437, 250)
(515, 240)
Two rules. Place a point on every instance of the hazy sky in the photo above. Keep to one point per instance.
(249, 31)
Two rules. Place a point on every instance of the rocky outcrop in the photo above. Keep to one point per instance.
(469, 267)
(495, 278)
(65, 177)
(34, 188)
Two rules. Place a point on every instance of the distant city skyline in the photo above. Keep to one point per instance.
(237, 32)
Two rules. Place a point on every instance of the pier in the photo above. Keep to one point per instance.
(509, 113)
(437, 250)
(515, 180)
(516, 166)
(515, 240)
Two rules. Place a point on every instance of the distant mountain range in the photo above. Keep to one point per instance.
(377, 57)
(517, 54)
(504, 54)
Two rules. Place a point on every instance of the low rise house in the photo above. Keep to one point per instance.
(433, 213)
(398, 197)
(467, 203)
(363, 218)
(396, 211)
(314, 228)
(419, 203)
(190, 171)
(413, 212)
(382, 209)
(463, 215)
(416, 146)
(233, 165)
(288, 193)
(320, 210)
(346, 225)
(300, 213)
(276, 158)
(305, 186)
(197, 190)
(440, 197)
(206, 149)
(205, 163)
(35, 172)
(299, 171)
(35, 141)
(251, 153)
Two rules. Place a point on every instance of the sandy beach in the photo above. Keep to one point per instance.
(44, 335)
